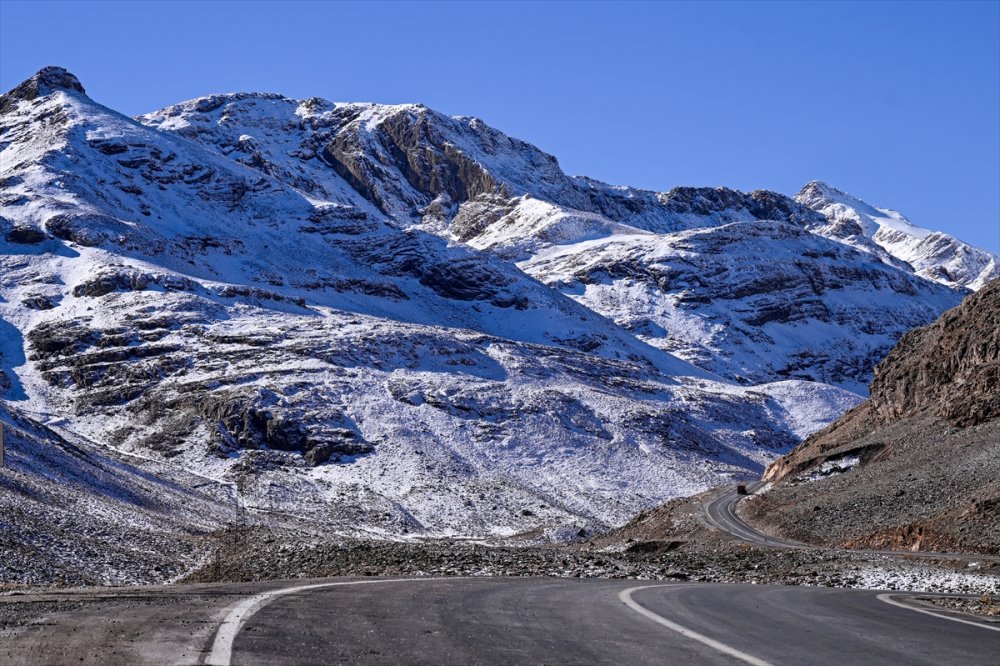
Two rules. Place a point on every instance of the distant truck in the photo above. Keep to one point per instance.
(741, 490)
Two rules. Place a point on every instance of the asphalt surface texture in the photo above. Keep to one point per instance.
(490, 621)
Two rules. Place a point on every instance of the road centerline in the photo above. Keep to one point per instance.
(626, 597)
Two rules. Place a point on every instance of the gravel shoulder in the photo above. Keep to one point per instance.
(255, 555)
(985, 607)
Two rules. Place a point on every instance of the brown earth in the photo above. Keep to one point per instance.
(918, 465)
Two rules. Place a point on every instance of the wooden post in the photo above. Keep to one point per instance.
(1, 444)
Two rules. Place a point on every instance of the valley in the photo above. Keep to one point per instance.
(333, 324)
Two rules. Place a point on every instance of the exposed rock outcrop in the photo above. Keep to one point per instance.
(918, 465)
(948, 370)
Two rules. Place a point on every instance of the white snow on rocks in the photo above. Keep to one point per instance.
(931, 254)
(316, 303)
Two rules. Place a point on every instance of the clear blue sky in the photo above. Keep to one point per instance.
(897, 103)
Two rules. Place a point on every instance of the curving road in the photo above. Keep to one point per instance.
(464, 621)
(720, 511)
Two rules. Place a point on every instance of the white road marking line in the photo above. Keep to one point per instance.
(240, 612)
(626, 597)
(887, 598)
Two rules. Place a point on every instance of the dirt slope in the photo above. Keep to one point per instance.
(918, 465)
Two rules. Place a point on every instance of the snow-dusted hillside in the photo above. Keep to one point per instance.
(319, 304)
(753, 287)
(82, 514)
(753, 300)
(331, 361)
(782, 304)
(931, 254)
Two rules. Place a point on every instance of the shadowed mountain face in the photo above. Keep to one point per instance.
(916, 466)
(82, 515)
(389, 321)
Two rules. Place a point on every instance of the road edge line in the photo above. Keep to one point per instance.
(887, 597)
(626, 597)
(237, 614)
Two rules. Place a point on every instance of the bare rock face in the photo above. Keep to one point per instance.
(431, 165)
(24, 235)
(950, 369)
(475, 215)
(760, 204)
(44, 82)
(81, 229)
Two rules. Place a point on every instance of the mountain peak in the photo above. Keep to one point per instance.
(816, 194)
(47, 80)
(818, 188)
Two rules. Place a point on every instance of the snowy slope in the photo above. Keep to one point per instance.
(751, 300)
(932, 254)
(463, 180)
(275, 322)
(80, 514)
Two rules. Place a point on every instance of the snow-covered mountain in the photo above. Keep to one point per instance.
(753, 303)
(752, 299)
(931, 254)
(320, 303)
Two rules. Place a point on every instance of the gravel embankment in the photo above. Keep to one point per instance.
(264, 555)
(929, 487)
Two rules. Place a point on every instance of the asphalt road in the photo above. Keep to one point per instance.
(720, 510)
(493, 621)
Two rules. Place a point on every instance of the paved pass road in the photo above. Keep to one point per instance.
(465, 621)
(720, 509)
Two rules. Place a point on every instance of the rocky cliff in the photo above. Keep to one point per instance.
(948, 370)
(916, 466)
